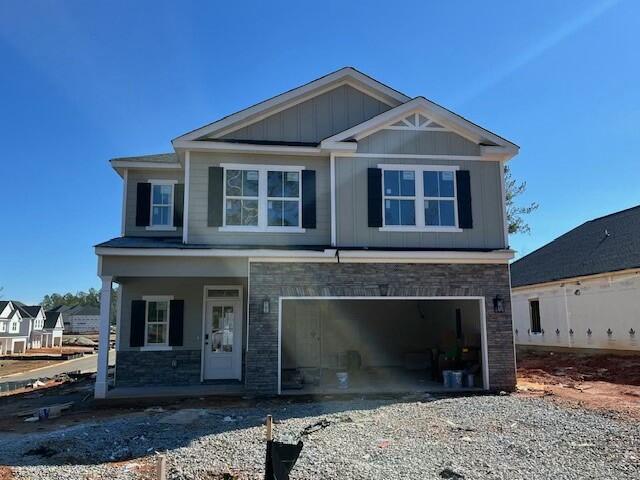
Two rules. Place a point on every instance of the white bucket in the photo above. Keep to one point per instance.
(343, 379)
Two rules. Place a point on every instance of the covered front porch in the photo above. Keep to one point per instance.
(176, 335)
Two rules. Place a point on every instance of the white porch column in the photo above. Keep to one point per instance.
(103, 343)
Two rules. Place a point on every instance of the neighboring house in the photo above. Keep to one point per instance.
(53, 328)
(14, 331)
(582, 290)
(79, 318)
(341, 226)
(34, 315)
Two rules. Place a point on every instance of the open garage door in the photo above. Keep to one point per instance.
(382, 345)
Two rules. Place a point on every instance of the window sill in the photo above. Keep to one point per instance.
(233, 228)
(155, 348)
(409, 228)
(161, 228)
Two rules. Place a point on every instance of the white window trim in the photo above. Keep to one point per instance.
(162, 228)
(156, 346)
(263, 199)
(14, 327)
(420, 225)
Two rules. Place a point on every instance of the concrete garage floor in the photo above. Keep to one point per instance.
(389, 380)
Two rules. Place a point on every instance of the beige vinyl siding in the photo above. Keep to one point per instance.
(417, 142)
(315, 119)
(351, 199)
(199, 232)
(133, 178)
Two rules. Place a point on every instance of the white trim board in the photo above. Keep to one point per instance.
(483, 324)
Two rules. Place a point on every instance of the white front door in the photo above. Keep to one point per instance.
(223, 339)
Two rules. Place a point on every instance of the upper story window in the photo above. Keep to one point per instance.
(400, 197)
(14, 327)
(262, 198)
(419, 198)
(161, 204)
(3, 326)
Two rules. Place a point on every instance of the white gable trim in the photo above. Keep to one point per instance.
(344, 76)
(435, 113)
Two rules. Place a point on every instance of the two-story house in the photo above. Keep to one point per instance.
(14, 330)
(338, 235)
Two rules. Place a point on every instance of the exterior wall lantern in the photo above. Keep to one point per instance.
(266, 305)
(498, 304)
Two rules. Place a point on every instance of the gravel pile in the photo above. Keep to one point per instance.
(479, 437)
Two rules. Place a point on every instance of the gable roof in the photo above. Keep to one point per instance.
(606, 244)
(23, 310)
(435, 113)
(32, 310)
(51, 319)
(346, 75)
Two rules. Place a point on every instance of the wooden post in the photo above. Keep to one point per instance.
(161, 468)
(269, 428)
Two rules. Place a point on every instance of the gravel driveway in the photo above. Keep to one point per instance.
(479, 437)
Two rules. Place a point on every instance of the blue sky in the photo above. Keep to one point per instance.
(82, 82)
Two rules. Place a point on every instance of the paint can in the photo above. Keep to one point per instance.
(343, 380)
(456, 379)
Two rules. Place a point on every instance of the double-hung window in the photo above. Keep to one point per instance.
(14, 327)
(3, 326)
(157, 322)
(439, 198)
(162, 193)
(262, 198)
(400, 197)
(241, 207)
(419, 198)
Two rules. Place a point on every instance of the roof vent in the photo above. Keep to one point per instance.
(606, 233)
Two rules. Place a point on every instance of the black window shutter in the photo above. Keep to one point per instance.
(308, 198)
(143, 204)
(138, 314)
(216, 185)
(463, 185)
(178, 204)
(374, 193)
(176, 322)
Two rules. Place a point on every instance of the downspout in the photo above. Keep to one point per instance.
(566, 313)
(185, 203)
(333, 198)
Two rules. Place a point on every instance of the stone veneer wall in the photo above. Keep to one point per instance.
(136, 368)
(276, 280)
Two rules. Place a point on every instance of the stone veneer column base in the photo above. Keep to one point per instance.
(135, 368)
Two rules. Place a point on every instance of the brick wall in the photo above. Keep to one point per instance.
(136, 368)
(274, 280)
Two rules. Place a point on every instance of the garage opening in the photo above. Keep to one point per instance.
(381, 345)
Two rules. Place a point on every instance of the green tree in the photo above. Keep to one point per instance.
(516, 213)
(90, 297)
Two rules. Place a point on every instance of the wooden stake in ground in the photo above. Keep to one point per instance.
(269, 428)
(161, 467)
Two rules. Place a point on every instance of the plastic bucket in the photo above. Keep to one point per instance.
(343, 380)
(471, 380)
(456, 379)
(446, 378)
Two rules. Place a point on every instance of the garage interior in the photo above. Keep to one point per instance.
(383, 345)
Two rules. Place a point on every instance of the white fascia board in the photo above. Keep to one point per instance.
(297, 95)
(433, 111)
(327, 255)
(153, 165)
(213, 146)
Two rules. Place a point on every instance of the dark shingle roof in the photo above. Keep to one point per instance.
(155, 158)
(3, 304)
(606, 244)
(32, 310)
(51, 318)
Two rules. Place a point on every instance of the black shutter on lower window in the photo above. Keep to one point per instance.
(178, 204)
(138, 314)
(308, 199)
(374, 195)
(215, 197)
(143, 204)
(176, 322)
(463, 186)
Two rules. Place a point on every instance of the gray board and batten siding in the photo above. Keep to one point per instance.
(315, 119)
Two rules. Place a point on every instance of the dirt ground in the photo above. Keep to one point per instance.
(602, 382)
(9, 367)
